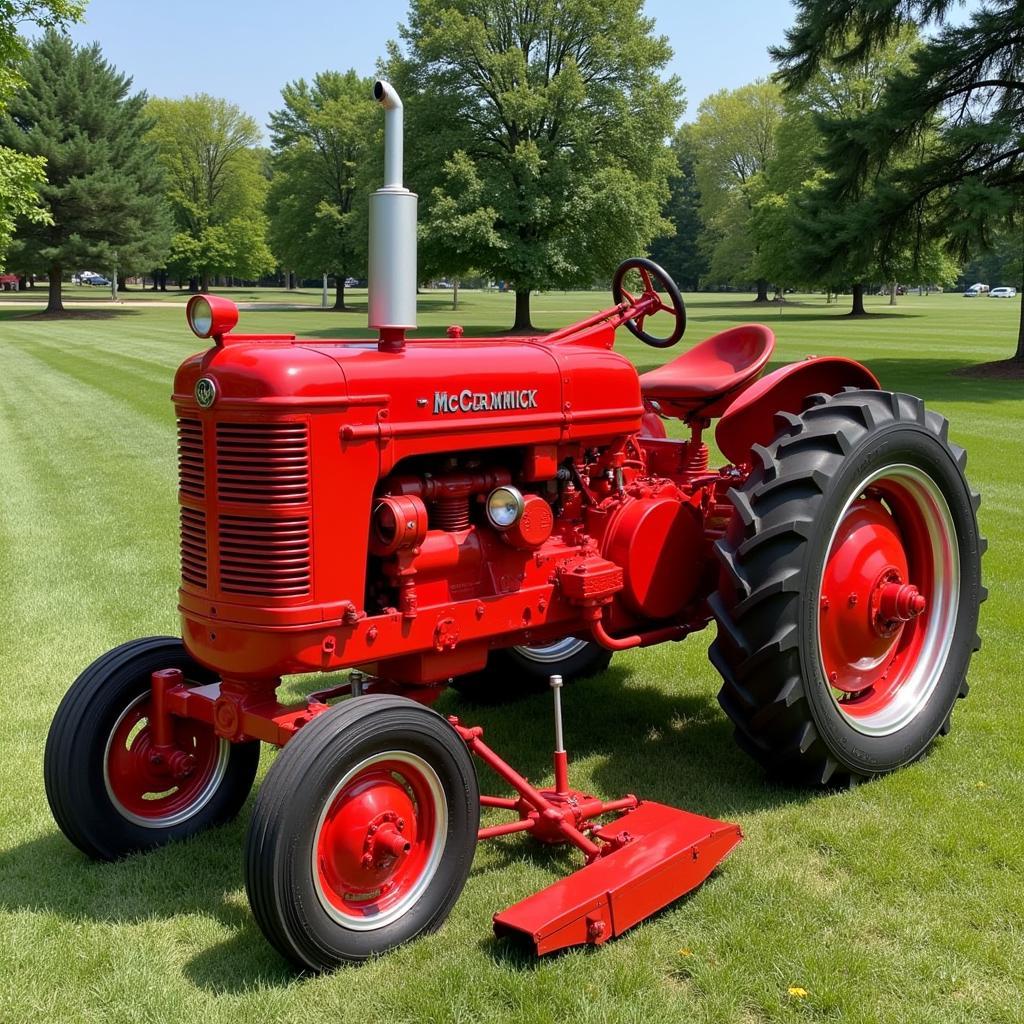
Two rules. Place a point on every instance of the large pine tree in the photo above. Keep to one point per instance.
(104, 188)
(942, 148)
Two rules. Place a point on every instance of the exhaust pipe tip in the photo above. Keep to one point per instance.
(384, 93)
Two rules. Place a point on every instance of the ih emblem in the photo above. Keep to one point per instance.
(206, 392)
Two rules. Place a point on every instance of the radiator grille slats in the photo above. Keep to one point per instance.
(264, 557)
(252, 538)
(191, 477)
(263, 463)
(193, 547)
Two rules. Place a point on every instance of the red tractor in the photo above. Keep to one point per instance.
(499, 513)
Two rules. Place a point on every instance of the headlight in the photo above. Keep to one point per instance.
(504, 507)
(210, 316)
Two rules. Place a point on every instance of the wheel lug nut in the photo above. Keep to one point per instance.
(852, 602)
(400, 824)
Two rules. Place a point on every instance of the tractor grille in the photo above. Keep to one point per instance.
(191, 479)
(252, 535)
(263, 463)
(263, 557)
(193, 546)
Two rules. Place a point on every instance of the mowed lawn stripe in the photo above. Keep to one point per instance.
(899, 901)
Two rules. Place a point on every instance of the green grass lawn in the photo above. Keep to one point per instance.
(899, 901)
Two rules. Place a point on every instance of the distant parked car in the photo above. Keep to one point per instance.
(976, 289)
(1003, 293)
(351, 282)
(95, 279)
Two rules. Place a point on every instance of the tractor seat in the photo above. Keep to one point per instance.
(704, 380)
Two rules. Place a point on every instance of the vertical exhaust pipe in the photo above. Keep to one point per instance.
(392, 265)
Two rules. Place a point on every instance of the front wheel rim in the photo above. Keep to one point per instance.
(888, 599)
(559, 650)
(379, 840)
(146, 791)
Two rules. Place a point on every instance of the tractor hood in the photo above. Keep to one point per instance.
(493, 391)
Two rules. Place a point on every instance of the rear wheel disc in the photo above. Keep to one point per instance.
(883, 662)
(848, 603)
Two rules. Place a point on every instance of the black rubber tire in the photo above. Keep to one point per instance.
(774, 689)
(511, 674)
(73, 767)
(279, 847)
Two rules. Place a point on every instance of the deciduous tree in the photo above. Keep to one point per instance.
(216, 185)
(559, 108)
(322, 137)
(21, 175)
(734, 139)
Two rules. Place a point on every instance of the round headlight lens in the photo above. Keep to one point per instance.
(504, 507)
(200, 317)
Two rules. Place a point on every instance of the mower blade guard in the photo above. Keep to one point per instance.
(670, 852)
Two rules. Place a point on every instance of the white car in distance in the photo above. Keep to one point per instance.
(1003, 293)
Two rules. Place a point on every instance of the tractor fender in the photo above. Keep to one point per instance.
(750, 419)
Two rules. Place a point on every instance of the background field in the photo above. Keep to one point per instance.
(898, 901)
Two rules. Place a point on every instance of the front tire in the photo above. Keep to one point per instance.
(105, 795)
(363, 832)
(848, 609)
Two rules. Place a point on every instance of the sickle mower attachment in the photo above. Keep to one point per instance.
(635, 865)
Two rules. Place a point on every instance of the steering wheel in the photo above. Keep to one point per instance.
(651, 275)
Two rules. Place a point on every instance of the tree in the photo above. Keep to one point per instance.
(458, 227)
(558, 108)
(104, 193)
(321, 139)
(839, 234)
(21, 175)
(680, 254)
(734, 142)
(217, 187)
(944, 140)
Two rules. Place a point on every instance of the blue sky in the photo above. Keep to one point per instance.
(246, 51)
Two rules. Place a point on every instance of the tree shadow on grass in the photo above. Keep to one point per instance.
(33, 315)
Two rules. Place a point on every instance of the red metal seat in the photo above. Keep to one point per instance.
(704, 380)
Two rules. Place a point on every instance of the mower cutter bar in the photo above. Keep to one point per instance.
(640, 862)
(667, 853)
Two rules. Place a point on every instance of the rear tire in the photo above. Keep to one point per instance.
(100, 790)
(820, 685)
(363, 832)
(514, 672)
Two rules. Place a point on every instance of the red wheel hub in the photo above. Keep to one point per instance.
(379, 839)
(160, 788)
(871, 607)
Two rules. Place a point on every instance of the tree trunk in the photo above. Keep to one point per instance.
(339, 294)
(193, 284)
(858, 300)
(1018, 356)
(762, 290)
(892, 293)
(455, 293)
(205, 286)
(163, 280)
(54, 303)
(522, 311)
